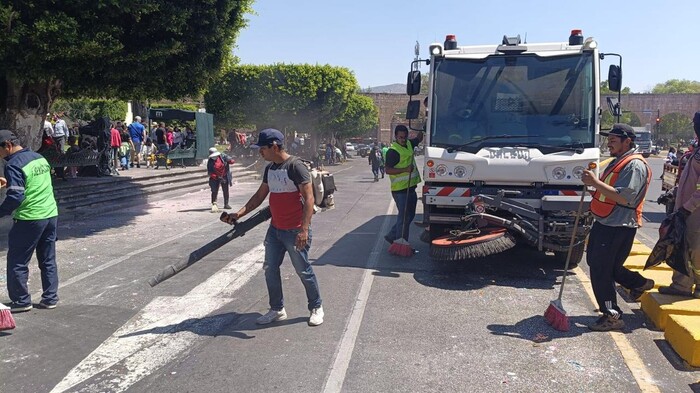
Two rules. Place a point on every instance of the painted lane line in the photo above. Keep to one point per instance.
(343, 353)
(160, 332)
(632, 359)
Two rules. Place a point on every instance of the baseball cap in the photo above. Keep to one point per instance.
(7, 135)
(213, 152)
(269, 135)
(621, 130)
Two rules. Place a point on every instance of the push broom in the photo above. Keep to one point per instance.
(7, 322)
(555, 313)
(400, 246)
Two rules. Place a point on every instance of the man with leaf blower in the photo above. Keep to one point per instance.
(288, 182)
(404, 176)
(617, 208)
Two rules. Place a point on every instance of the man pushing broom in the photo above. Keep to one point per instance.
(404, 177)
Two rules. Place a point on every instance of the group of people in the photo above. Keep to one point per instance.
(134, 144)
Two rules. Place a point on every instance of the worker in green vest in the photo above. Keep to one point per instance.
(404, 176)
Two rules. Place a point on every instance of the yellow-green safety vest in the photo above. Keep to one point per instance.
(401, 181)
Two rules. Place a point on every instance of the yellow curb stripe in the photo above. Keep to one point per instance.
(629, 354)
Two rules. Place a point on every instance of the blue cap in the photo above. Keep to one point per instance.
(269, 135)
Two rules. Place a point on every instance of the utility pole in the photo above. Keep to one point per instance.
(658, 123)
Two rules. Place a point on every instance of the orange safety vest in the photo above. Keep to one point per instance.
(601, 206)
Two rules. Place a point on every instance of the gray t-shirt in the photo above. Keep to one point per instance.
(632, 185)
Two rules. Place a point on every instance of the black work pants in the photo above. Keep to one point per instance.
(214, 185)
(608, 248)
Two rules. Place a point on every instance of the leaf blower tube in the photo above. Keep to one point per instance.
(528, 234)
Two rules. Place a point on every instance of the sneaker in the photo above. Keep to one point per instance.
(214, 208)
(227, 207)
(607, 323)
(636, 293)
(46, 306)
(316, 317)
(272, 316)
(15, 307)
(669, 290)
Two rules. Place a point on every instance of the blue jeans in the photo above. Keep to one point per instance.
(405, 202)
(277, 242)
(23, 239)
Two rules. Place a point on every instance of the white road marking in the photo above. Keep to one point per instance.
(343, 354)
(160, 332)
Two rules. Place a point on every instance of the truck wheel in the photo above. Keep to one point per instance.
(576, 256)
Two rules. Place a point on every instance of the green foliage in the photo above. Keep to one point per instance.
(605, 90)
(88, 109)
(677, 86)
(177, 105)
(107, 48)
(297, 97)
(607, 120)
(359, 118)
(678, 125)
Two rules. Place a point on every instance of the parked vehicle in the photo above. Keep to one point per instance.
(349, 147)
(363, 150)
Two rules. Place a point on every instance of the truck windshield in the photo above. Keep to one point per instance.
(643, 136)
(550, 101)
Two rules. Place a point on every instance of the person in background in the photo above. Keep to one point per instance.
(161, 138)
(72, 149)
(687, 206)
(617, 208)
(137, 133)
(31, 202)
(60, 132)
(190, 137)
(288, 182)
(219, 170)
(177, 138)
(148, 151)
(115, 142)
(169, 138)
(376, 161)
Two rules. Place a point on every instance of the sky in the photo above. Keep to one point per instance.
(375, 39)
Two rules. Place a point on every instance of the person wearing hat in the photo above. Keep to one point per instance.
(219, 170)
(31, 202)
(617, 208)
(687, 206)
(288, 182)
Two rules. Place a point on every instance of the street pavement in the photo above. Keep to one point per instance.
(391, 325)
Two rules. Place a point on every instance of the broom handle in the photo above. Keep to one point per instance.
(405, 205)
(571, 243)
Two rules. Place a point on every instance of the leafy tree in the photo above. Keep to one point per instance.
(88, 109)
(299, 97)
(678, 125)
(605, 90)
(115, 49)
(677, 86)
(359, 118)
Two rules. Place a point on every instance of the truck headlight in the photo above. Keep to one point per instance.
(559, 173)
(578, 172)
(441, 170)
(460, 171)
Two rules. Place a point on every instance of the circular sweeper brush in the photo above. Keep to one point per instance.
(489, 241)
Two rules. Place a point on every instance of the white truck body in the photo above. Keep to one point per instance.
(509, 130)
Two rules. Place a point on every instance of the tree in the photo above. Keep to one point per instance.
(359, 118)
(677, 86)
(678, 125)
(295, 96)
(87, 109)
(112, 49)
(605, 90)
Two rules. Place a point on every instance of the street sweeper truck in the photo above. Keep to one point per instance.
(509, 129)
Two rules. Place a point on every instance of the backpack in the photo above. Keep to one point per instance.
(323, 186)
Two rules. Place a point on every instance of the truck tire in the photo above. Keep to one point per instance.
(576, 256)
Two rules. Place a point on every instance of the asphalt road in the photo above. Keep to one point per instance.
(392, 324)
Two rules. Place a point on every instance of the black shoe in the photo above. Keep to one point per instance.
(668, 290)
(15, 307)
(388, 239)
(46, 306)
(131, 164)
(636, 293)
(227, 207)
(138, 165)
(607, 323)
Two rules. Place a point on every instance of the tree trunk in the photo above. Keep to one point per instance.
(23, 108)
(140, 108)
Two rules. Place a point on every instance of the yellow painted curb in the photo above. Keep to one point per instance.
(640, 249)
(638, 262)
(683, 333)
(660, 277)
(658, 307)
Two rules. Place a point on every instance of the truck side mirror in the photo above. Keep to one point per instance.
(413, 83)
(615, 78)
(412, 110)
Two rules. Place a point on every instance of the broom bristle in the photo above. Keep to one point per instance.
(555, 315)
(457, 252)
(401, 247)
(7, 322)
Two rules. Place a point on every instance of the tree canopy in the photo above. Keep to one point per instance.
(302, 97)
(110, 49)
(677, 86)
